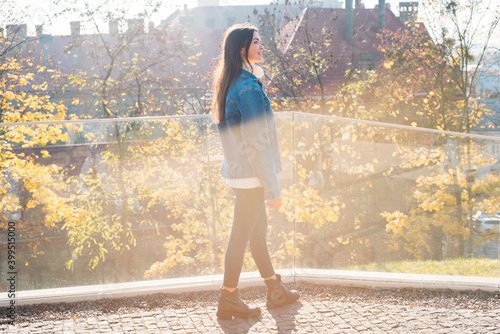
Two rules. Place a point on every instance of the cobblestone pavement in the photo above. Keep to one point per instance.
(322, 309)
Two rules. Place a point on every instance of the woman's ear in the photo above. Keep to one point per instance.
(243, 53)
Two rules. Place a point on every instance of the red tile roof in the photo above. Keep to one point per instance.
(323, 25)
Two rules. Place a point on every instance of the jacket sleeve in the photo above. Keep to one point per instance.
(255, 129)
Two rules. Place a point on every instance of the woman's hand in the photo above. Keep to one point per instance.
(275, 203)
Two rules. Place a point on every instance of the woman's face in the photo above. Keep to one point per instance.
(255, 50)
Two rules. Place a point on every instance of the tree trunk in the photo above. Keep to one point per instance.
(458, 202)
(436, 245)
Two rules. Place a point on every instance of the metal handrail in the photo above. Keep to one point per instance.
(295, 113)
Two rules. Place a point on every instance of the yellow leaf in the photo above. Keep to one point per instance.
(9, 95)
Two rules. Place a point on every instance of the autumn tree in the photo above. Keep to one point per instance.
(131, 67)
(461, 42)
(128, 79)
(30, 181)
(297, 69)
(466, 30)
(433, 216)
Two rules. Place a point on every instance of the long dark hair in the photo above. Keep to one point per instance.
(229, 65)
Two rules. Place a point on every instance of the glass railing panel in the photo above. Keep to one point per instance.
(221, 202)
(106, 201)
(280, 231)
(394, 199)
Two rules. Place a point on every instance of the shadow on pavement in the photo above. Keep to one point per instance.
(238, 325)
(285, 317)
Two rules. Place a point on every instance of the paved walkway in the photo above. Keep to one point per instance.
(322, 309)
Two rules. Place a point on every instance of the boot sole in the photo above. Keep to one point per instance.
(230, 315)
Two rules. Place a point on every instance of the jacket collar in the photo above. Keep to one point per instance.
(247, 75)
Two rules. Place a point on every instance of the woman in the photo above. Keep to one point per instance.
(250, 166)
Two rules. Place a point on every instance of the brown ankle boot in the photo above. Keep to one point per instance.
(278, 294)
(230, 305)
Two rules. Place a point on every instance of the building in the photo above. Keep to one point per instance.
(117, 50)
(488, 88)
(348, 39)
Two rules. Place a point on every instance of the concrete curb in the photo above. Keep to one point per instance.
(397, 280)
(130, 289)
(212, 282)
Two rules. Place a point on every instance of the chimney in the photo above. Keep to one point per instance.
(381, 15)
(348, 21)
(113, 27)
(151, 27)
(408, 11)
(39, 30)
(75, 28)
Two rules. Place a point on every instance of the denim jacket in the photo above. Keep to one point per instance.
(248, 135)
